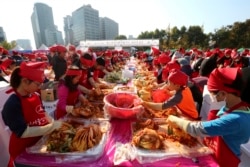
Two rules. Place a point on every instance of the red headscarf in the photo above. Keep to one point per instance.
(72, 48)
(42, 56)
(33, 71)
(222, 78)
(72, 72)
(32, 57)
(61, 48)
(171, 65)
(53, 49)
(174, 64)
(178, 77)
(79, 52)
(108, 53)
(87, 60)
(235, 54)
(155, 51)
(156, 61)
(5, 64)
(164, 58)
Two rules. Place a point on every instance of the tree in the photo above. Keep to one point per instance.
(7, 45)
(196, 37)
(222, 37)
(175, 34)
(230, 36)
(121, 37)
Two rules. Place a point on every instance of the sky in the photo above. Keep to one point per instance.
(133, 16)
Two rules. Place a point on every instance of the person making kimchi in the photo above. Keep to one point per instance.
(227, 128)
(23, 111)
(182, 98)
(69, 95)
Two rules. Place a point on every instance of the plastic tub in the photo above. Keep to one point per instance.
(126, 102)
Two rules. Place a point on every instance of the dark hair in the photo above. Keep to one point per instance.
(15, 79)
(87, 56)
(100, 61)
(68, 79)
(69, 84)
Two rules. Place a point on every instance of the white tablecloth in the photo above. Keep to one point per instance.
(245, 157)
(3, 87)
(4, 132)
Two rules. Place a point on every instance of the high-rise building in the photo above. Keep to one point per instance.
(24, 43)
(2, 35)
(53, 37)
(68, 23)
(85, 24)
(44, 29)
(108, 28)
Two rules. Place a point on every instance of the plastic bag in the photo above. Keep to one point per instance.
(121, 112)
(124, 101)
(124, 152)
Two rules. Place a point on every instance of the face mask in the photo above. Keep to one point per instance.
(224, 101)
(213, 98)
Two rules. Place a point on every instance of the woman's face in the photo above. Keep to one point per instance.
(218, 96)
(99, 67)
(63, 54)
(76, 79)
(31, 86)
(171, 86)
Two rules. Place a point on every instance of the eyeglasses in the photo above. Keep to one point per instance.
(38, 84)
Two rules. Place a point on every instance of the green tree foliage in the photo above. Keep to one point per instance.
(234, 36)
(7, 45)
(231, 36)
(196, 37)
(157, 34)
(121, 37)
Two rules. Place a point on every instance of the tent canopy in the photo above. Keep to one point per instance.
(17, 48)
(43, 47)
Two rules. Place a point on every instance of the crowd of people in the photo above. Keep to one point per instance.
(226, 73)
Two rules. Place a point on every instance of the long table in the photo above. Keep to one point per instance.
(120, 131)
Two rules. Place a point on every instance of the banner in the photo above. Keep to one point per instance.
(119, 43)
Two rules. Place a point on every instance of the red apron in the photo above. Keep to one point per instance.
(108, 65)
(224, 156)
(84, 77)
(72, 99)
(96, 74)
(34, 115)
(86, 83)
(227, 62)
(239, 65)
(101, 74)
